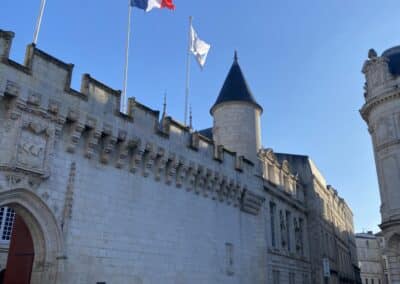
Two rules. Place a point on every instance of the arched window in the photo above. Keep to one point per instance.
(7, 216)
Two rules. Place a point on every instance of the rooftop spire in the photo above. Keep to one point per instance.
(235, 88)
(190, 118)
(164, 106)
(165, 102)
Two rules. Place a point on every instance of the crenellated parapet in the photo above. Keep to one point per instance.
(42, 110)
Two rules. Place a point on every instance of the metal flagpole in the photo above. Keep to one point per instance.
(188, 70)
(128, 37)
(39, 21)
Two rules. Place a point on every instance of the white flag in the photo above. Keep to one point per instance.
(198, 47)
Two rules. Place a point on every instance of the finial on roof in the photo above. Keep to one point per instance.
(236, 56)
(190, 117)
(372, 53)
(165, 104)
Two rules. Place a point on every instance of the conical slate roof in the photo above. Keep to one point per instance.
(235, 88)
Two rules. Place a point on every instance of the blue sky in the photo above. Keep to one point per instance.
(302, 60)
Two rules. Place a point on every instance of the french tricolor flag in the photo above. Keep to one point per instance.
(148, 5)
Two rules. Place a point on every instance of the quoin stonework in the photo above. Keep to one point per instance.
(140, 198)
(381, 112)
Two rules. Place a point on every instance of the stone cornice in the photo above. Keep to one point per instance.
(284, 196)
(388, 224)
(367, 107)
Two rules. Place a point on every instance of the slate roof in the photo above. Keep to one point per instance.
(235, 88)
(207, 133)
(393, 54)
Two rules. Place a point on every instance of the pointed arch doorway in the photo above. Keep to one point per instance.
(38, 247)
(21, 253)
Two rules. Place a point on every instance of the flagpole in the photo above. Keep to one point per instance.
(188, 71)
(39, 21)
(128, 37)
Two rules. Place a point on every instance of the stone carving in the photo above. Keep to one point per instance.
(208, 186)
(170, 169)
(372, 53)
(137, 153)
(123, 153)
(32, 147)
(377, 71)
(181, 173)
(191, 176)
(108, 146)
(148, 159)
(200, 180)
(216, 185)
(159, 164)
(34, 99)
(91, 143)
(53, 107)
(75, 133)
(69, 198)
(19, 180)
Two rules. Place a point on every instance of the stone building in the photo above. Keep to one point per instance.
(330, 225)
(381, 112)
(371, 258)
(107, 197)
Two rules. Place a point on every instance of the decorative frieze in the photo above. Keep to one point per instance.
(75, 133)
(109, 142)
(181, 171)
(33, 147)
(170, 169)
(191, 176)
(91, 143)
(148, 159)
(137, 153)
(69, 198)
(159, 164)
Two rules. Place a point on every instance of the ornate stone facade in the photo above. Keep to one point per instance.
(116, 198)
(381, 112)
(330, 225)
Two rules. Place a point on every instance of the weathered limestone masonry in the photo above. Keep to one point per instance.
(121, 198)
(114, 198)
(381, 112)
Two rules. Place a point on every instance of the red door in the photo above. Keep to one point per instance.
(20, 254)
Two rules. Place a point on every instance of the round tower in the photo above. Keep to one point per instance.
(237, 116)
(381, 112)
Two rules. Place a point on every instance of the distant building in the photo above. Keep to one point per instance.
(106, 197)
(381, 112)
(330, 225)
(372, 260)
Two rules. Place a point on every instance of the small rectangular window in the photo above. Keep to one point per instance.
(288, 226)
(291, 278)
(229, 259)
(272, 211)
(7, 216)
(276, 277)
(305, 279)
